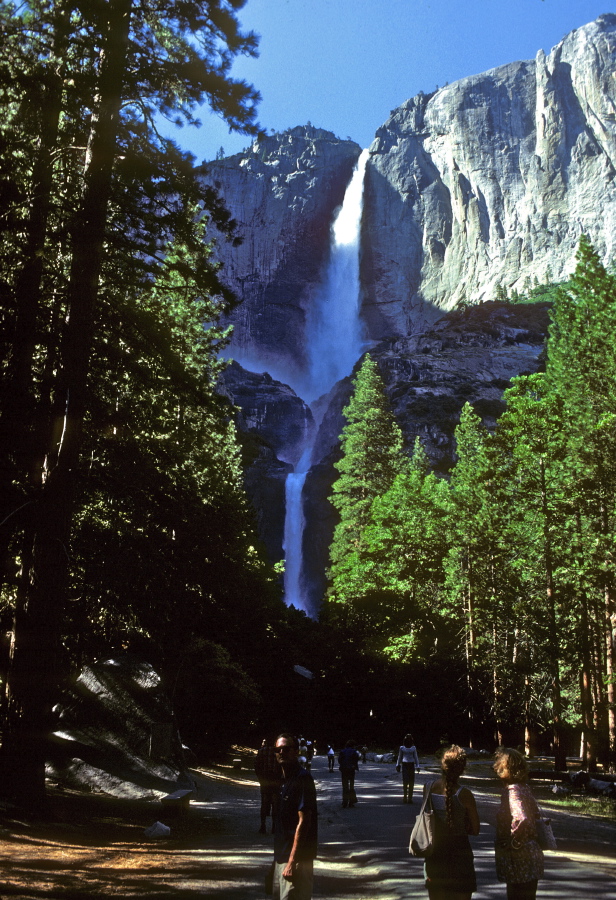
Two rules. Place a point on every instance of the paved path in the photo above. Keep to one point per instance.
(363, 852)
(216, 852)
(377, 831)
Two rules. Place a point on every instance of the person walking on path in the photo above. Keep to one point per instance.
(450, 870)
(348, 762)
(295, 826)
(331, 757)
(519, 859)
(408, 761)
(269, 776)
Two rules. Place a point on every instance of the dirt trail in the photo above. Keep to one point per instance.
(93, 846)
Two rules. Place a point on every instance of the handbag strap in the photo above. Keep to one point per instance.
(426, 798)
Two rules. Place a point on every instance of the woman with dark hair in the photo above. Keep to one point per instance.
(450, 870)
(408, 761)
(519, 859)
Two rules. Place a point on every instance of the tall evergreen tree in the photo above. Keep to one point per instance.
(581, 372)
(108, 70)
(372, 456)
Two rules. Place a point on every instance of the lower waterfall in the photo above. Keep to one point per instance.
(335, 342)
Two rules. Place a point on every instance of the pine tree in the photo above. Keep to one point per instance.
(404, 545)
(372, 456)
(581, 372)
(108, 194)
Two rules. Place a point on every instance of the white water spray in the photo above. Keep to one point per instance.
(334, 344)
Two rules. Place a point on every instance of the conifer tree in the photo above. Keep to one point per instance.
(581, 372)
(404, 546)
(109, 193)
(372, 456)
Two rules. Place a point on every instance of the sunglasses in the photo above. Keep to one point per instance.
(282, 749)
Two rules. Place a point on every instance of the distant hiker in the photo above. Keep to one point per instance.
(408, 761)
(364, 750)
(295, 835)
(331, 756)
(348, 760)
(269, 776)
(303, 753)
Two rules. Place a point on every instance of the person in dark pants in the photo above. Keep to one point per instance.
(348, 762)
(518, 856)
(331, 756)
(295, 834)
(408, 761)
(269, 776)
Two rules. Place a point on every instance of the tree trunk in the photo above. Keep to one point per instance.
(559, 752)
(33, 673)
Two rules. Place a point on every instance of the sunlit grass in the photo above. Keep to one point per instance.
(603, 807)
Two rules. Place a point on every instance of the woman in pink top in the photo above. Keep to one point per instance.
(519, 859)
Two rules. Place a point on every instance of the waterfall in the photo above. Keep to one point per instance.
(294, 532)
(333, 326)
(334, 344)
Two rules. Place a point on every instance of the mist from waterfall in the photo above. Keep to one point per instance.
(334, 343)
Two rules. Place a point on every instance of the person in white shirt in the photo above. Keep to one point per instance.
(408, 761)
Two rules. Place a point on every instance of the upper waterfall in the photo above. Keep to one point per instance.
(334, 334)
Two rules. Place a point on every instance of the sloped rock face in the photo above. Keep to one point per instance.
(270, 409)
(116, 733)
(283, 193)
(491, 181)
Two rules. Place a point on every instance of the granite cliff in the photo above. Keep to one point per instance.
(490, 181)
(282, 192)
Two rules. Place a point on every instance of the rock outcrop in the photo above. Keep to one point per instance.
(490, 181)
(116, 733)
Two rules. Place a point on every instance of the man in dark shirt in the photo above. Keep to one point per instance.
(348, 760)
(295, 826)
(269, 774)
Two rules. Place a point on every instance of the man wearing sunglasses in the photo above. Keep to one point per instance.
(295, 826)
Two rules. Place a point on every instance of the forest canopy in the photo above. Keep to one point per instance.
(124, 525)
(503, 574)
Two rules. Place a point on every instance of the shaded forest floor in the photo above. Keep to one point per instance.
(92, 845)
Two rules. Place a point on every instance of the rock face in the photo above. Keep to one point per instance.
(116, 733)
(283, 193)
(491, 181)
(273, 423)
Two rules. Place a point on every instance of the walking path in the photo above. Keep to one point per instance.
(95, 847)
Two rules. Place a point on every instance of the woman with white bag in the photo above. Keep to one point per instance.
(519, 858)
(449, 869)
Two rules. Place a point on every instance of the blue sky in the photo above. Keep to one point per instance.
(344, 65)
